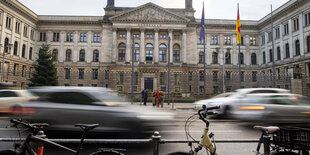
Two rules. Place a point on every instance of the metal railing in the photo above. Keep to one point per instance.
(155, 140)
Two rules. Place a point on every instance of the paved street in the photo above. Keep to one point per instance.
(223, 129)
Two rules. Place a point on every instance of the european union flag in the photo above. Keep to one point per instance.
(202, 29)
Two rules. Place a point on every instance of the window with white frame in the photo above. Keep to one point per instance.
(253, 41)
(214, 39)
(307, 19)
(277, 32)
(263, 39)
(8, 23)
(17, 27)
(286, 29)
(83, 37)
(56, 37)
(296, 24)
(227, 40)
(69, 37)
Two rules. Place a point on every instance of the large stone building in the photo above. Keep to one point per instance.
(98, 50)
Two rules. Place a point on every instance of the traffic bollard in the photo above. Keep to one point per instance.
(156, 140)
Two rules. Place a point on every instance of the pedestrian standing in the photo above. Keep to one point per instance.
(144, 96)
(159, 98)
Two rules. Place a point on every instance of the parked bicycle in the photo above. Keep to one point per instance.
(37, 139)
(205, 141)
(283, 140)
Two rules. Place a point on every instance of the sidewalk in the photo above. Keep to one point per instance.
(172, 106)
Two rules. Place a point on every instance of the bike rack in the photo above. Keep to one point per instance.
(155, 140)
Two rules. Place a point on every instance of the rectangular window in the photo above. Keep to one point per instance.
(17, 27)
(30, 53)
(8, 22)
(15, 70)
(136, 79)
(120, 79)
(149, 36)
(263, 39)
(228, 75)
(215, 75)
(227, 40)
(162, 36)
(122, 35)
(106, 74)
(96, 37)
(67, 73)
(254, 76)
(69, 37)
(32, 34)
(81, 73)
(176, 37)
(136, 36)
(162, 78)
(286, 29)
(269, 36)
(30, 71)
(307, 19)
(278, 74)
(242, 42)
(83, 37)
(201, 77)
(25, 31)
(242, 76)
(42, 36)
(214, 40)
(308, 69)
(190, 76)
(24, 71)
(177, 79)
(296, 24)
(55, 36)
(252, 41)
(277, 32)
(215, 89)
(95, 74)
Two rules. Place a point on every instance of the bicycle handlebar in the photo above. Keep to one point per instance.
(34, 127)
(214, 107)
(204, 112)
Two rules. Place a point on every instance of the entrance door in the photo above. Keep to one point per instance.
(148, 83)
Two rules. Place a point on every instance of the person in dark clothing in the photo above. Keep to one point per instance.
(144, 96)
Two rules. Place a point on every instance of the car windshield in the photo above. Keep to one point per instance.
(108, 97)
(28, 93)
(223, 95)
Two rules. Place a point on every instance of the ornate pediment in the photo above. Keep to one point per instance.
(149, 13)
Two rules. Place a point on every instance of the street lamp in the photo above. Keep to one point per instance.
(3, 54)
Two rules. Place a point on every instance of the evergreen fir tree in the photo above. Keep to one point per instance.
(45, 73)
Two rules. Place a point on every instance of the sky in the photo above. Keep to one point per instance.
(214, 9)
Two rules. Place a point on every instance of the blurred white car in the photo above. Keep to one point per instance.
(14, 99)
(226, 100)
(273, 108)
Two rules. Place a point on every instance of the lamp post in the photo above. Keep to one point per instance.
(3, 54)
(223, 71)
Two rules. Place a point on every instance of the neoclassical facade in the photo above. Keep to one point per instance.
(100, 50)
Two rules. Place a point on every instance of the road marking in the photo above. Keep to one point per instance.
(200, 131)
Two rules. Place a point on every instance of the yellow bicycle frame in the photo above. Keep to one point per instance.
(206, 142)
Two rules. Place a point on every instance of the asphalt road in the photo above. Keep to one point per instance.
(223, 129)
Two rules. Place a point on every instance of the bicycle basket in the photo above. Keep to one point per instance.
(293, 138)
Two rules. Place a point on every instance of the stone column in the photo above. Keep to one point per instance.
(128, 46)
(62, 52)
(75, 51)
(301, 35)
(114, 46)
(156, 52)
(142, 47)
(184, 47)
(171, 46)
(290, 39)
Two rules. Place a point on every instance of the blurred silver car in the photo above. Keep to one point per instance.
(227, 100)
(62, 107)
(273, 108)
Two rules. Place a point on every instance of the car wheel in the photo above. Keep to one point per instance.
(226, 112)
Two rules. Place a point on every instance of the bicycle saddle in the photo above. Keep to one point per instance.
(269, 129)
(87, 126)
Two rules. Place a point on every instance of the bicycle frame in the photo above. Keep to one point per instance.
(206, 142)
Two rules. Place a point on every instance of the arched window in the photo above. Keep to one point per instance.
(55, 55)
(176, 53)
(82, 55)
(287, 50)
(68, 55)
(95, 56)
(214, 58)
(253, 59)
(24, 51)
(162, 52)
(137, 52)
(6, 43)
(278, 53)
(270, 55)
(149, 52)
(15, 48)
(308, 44)
(201, 57)
(227, 58)
(121, 52)
(297, 47)
(241, 58)
(264, 58)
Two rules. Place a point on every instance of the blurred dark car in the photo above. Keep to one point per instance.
(273, 108)
(62, 107)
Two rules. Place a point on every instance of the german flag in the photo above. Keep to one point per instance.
(238, 27)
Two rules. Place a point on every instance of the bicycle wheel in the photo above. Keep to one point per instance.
(179, 153)
(110, 152)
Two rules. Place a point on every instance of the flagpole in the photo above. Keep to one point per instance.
(239, 56)
(204, 67)
(272, 53)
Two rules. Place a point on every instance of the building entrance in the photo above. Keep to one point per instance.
(148, 83)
